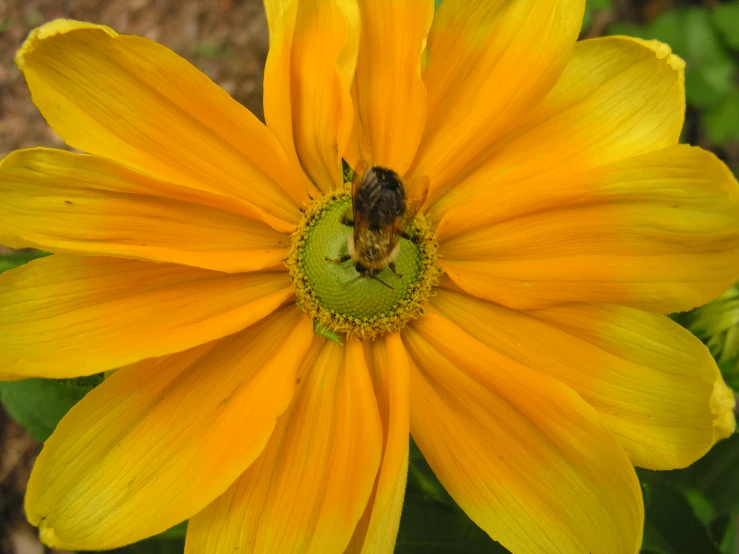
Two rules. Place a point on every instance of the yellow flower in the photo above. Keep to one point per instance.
(567, 217)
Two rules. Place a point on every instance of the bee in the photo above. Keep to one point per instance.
(381, 213)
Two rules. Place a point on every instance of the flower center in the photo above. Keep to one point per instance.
(338, 287)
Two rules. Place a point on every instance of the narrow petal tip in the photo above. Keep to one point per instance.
(722, 406)
(50, 29)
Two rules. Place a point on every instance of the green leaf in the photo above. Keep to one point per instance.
(87, 383)
(39, 404)
(599, 5)
(702, 507)
(422, 481)
(431, 527)
(730, 541)
(709, 71)
(668, 28)
(707, 85)
(627, 29)
(671, 526)
(432, 523)
(726, 20)
(587, 18)
(722, 120)
(15, 258)
(715, 476)
(723, 532)
(150, 546)
(177, 532)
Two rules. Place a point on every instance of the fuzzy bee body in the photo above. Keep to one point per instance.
(379, 210)
(380, 215)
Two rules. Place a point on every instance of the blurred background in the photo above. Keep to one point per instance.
(693, 511)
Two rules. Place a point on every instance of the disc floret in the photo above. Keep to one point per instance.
(338, 297)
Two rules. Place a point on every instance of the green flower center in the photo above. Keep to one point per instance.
(337, 296)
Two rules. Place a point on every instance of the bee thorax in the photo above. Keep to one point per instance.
(380, 198)
(374, 250)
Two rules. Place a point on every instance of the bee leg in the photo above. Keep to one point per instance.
(414, 239)
(347, 221)
(384, 283)
(394, 269)
(341, 260)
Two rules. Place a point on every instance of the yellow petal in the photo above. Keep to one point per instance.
(281, 16)
(655, 386)
(378, 528)
(66, 316)
(10, 377)
(489, 63)
(618, 97)
(521, 453)
(657, 232)
(308, 489)
(307, 80)
(63, 202)
(136, 102)
(388, 91)
(159, 440)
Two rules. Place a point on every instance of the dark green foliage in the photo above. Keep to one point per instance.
(13, 259)
(432, 522)
(715, 476)
(672, 526)
(39, 404)
(151, 546)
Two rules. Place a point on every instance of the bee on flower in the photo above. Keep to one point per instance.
(523, 194)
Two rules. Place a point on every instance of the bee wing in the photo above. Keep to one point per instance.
(359, 222)
(359, 172)
(418, 189)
